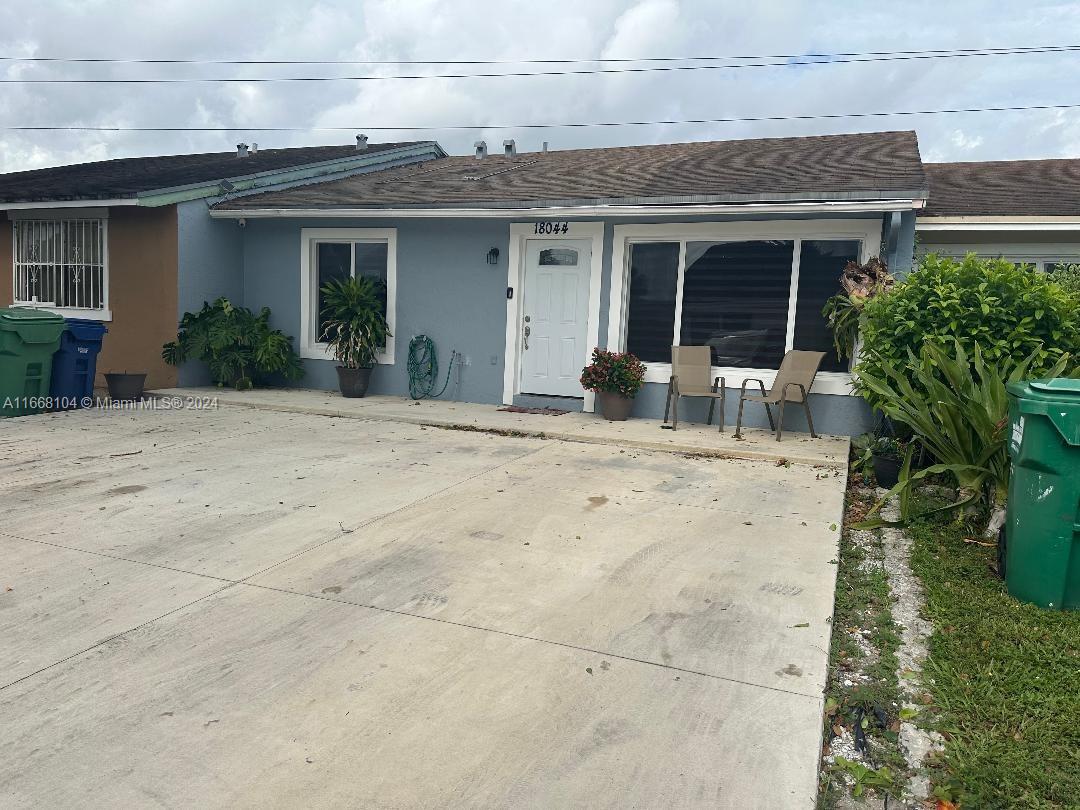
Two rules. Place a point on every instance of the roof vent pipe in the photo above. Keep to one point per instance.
(509, 148)
(481, 149)
(254, 147)
(241, 150)
(543, 148)
(361, 143)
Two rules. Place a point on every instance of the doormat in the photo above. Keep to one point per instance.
(541, 411)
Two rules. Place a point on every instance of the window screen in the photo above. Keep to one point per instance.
(735, 300)
(821, 262)
(650, 317)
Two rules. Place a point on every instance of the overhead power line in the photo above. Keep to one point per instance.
(566, 125)
(825, 59)
(941, 52)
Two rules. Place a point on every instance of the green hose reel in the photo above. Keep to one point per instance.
(423, 368)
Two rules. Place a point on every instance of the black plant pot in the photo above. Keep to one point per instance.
(125, 387)
(886, 471)
(353, 382)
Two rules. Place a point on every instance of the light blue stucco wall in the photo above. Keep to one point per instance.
(209, 266)
(445, 289)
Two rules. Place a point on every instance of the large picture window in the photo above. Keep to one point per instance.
(60, 263)
(339, 253)
(749, 299)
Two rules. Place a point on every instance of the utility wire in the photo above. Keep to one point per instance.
(787, 62)
(567, 125)
(941, 52)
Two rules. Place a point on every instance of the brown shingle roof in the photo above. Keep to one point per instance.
(1004, 188)
(871, 166)
(127, 177)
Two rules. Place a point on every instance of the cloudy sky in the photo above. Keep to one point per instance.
(383, 30)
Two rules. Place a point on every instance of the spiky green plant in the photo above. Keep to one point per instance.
(355, 326)
(957, 408)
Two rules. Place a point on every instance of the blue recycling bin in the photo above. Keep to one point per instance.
(75, 363)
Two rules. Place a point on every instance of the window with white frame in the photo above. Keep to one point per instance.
(339, 253)
(749, 300)
(60, 263)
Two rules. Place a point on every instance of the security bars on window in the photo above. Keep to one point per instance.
(60, 263)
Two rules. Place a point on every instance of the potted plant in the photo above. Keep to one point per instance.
(615, 377)
(125, 386)
(355, 329)
(843, 312)
(881, 455)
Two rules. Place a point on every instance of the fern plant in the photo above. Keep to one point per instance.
(354, 326)
(237, 345)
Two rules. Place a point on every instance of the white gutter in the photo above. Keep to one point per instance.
(30, 206)
(998, 224)
(878, 206)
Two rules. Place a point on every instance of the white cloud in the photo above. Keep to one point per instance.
(524, 29)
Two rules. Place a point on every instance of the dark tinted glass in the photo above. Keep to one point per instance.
(371, 262)
(735, 299)
(820, 264)
(650, 318)
(334, 262)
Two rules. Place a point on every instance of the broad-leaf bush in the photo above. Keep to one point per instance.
(237, 344)
(1011, 312)
(1067, 276)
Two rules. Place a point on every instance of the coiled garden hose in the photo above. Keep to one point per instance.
(424, 368)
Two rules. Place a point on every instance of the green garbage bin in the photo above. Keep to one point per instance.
(28, 338)
(1042, 553)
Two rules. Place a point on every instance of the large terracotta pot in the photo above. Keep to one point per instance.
(615, 407)
(353, 381)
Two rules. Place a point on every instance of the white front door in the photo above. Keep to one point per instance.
(555, 310)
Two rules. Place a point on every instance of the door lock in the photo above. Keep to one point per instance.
(528, 331)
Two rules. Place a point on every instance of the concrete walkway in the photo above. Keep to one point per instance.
(644, 434)
(248, 608)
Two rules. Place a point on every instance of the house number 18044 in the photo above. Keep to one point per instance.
(551, 227)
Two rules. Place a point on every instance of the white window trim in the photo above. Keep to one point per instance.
(100, 214)
(309, 237)
(520, 233)
(867, 231)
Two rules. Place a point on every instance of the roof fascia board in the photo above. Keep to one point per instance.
(262, 181)
(31, 206)
(998, 224)
(878, 206)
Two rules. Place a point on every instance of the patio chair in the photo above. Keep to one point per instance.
(690, 369)
(793, 381)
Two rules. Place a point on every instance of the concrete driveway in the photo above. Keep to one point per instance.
(250, 608)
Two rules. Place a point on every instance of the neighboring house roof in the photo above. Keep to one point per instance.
(871, 166)
(1004, 188)
(133, 177)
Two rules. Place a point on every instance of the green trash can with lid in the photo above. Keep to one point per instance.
(1042, 553)
(28, 338)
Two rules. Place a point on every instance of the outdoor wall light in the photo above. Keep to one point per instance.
(493, 256)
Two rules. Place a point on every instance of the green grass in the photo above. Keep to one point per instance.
(862, 601)
(1004, 678)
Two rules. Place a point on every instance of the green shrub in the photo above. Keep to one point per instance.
(1012, 312)
(237, 344)
(1067, 276)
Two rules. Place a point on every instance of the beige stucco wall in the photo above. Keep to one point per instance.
(142, 290)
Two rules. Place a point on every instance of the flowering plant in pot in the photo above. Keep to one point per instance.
(355, 329)
(615, 377)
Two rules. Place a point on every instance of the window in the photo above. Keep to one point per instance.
(749, 291)
(654, 278)
(735, 300)
(1060, 264)
(60, 263)
(821, 262)
(339, 253)
(565, 257)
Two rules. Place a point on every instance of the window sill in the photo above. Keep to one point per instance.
(70, 312)
(826, 382)
(319, 351)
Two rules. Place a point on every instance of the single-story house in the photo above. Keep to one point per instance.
(130, 242)
(523, 262)
(1020, 210)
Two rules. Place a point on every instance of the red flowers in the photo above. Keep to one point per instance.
(614, 372)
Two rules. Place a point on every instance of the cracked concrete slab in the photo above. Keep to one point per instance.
(409, 617)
